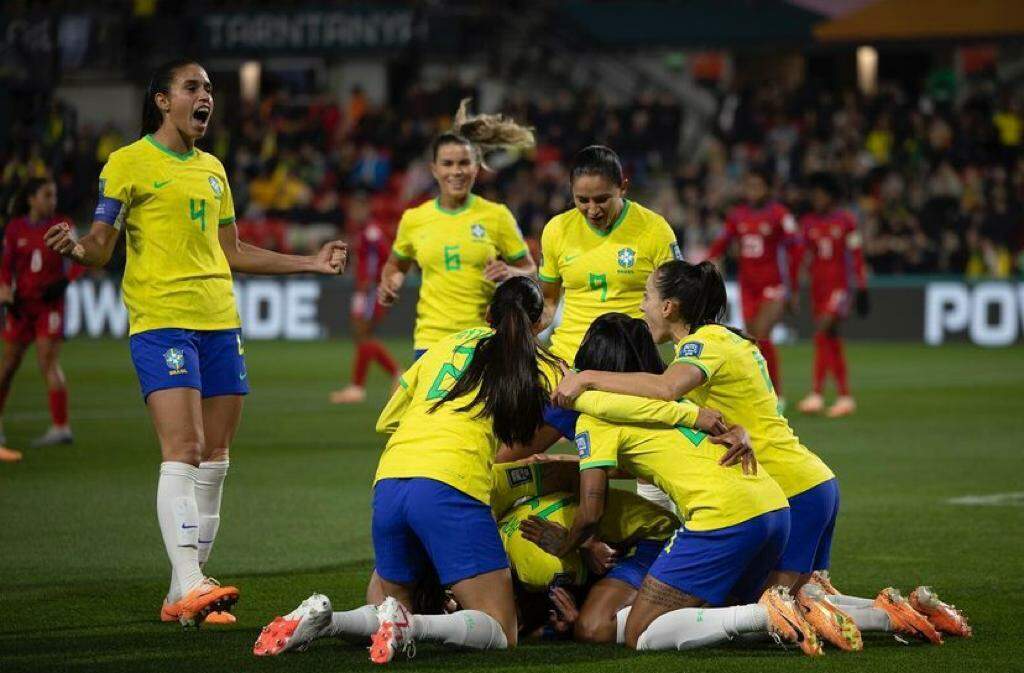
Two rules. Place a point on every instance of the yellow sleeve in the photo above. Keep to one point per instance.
(664, 246)
(511, 245)
(403, 246)
(396, 407)
(616, 408)
(550, 244)
(597, 443)
(705, 355)
(511, 483)
(227, 204)
(116, 184)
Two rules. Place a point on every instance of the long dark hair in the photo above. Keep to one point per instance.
(597, 160)
(699, 292)
(504, 366)
(19, 204)
(159, 83)
(616, 342)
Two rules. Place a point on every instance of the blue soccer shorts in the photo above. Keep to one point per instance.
(812, 517)
(212, 362)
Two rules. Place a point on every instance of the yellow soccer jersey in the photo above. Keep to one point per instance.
(683, 464)
(171, 206)
(736, 383)
(627, 519)
(452, 248)
(451, 446)
(602, 272)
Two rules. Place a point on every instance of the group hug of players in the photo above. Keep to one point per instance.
(479, 536)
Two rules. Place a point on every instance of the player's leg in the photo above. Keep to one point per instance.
(814, 403)
(844, 404)
(768, 314)
(14, 353)
(356, 391)
(221, 417)
(48, 355)
(603, 615)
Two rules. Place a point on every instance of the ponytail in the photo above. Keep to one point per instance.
(504, 367)
(19, 206)
(161, 81)
(483, 133)
(699, 292)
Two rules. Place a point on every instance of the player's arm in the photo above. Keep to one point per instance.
(497, 270)
(391, 416)
(617, 408)
(246, 258)
(552, 295)
(515, 258)
(94, 249)
(391, 278)
(722, 241)
(559, 541)
(543, 439)
(7, 267)
(674, 384)
(855, 245)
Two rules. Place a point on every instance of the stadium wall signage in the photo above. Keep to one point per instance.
(317, 31)
(934, 312)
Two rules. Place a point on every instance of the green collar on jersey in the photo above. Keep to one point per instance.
(462, 208)
(168, 150)
(615, 224)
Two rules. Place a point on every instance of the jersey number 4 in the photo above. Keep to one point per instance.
(198, 213)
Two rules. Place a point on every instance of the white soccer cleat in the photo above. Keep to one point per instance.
(843, 406)
(349, 395)
(394, 632)
(53, 437)
(297, 629)
(812, 404)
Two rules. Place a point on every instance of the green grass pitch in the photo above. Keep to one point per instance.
(83, 568)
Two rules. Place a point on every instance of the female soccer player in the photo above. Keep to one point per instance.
(765, 229)
(32, 283)
(174, 203)
(835, 250)
(463, 243)
(737, 524)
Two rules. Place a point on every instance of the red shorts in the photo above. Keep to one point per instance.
(751, 298)
(830, 302)
(34, 320)
(365, 307)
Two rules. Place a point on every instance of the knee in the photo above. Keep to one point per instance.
(184, 451)
(216, 455)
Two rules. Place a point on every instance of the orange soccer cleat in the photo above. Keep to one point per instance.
(944, 617)
(393, 634)
(203, 600)
(169, 612)
(220, 618)
(830, 622)
(787, 623)
(9, 455)
(297, 629)
(824, 580)
(904, 618)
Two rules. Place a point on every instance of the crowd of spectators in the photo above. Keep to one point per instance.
(936, 185)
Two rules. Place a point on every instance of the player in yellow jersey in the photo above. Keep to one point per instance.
(735, 528)
(173, 202)
(463, 243)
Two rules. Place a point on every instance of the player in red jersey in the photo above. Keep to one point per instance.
(830, 237)
(372, 248)
(764, 229)
(33, 279)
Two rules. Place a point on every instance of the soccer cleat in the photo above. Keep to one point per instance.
(824, 580)
(53, 437)
(786, 622)
(904, 618)
(297, 629)
(9, 455)
(169, 612)
(209, 596)
(220, 618)
(348, 395)
(394, 632)
(844, 406)
(830, 622)
(944, 617)
(812, 404)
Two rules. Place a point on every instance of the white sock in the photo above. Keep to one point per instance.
(465, 628)
(656, 495)
(179, 521)
(620, 625)
(844, 601)
(359, 622)
(689, 628)
(209, 488)
(869, 619)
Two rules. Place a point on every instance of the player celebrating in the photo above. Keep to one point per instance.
(831, 237)
(174, 203)
(32, 283)
(764, 229)
(463, 243)
(372, 247)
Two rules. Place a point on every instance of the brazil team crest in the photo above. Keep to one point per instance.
(583, 445)
(215, 186)
(478, 230)
(627, 258)
(175, 360)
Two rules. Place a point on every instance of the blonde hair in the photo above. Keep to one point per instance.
(484, 133)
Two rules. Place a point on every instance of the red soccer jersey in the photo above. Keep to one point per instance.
(373, 245)
(28, 264)
(763, 233)
(833, 243)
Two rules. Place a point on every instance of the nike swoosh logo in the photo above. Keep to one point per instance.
(159, 185)
(569, 258)
(185, 526)
(243, 375)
